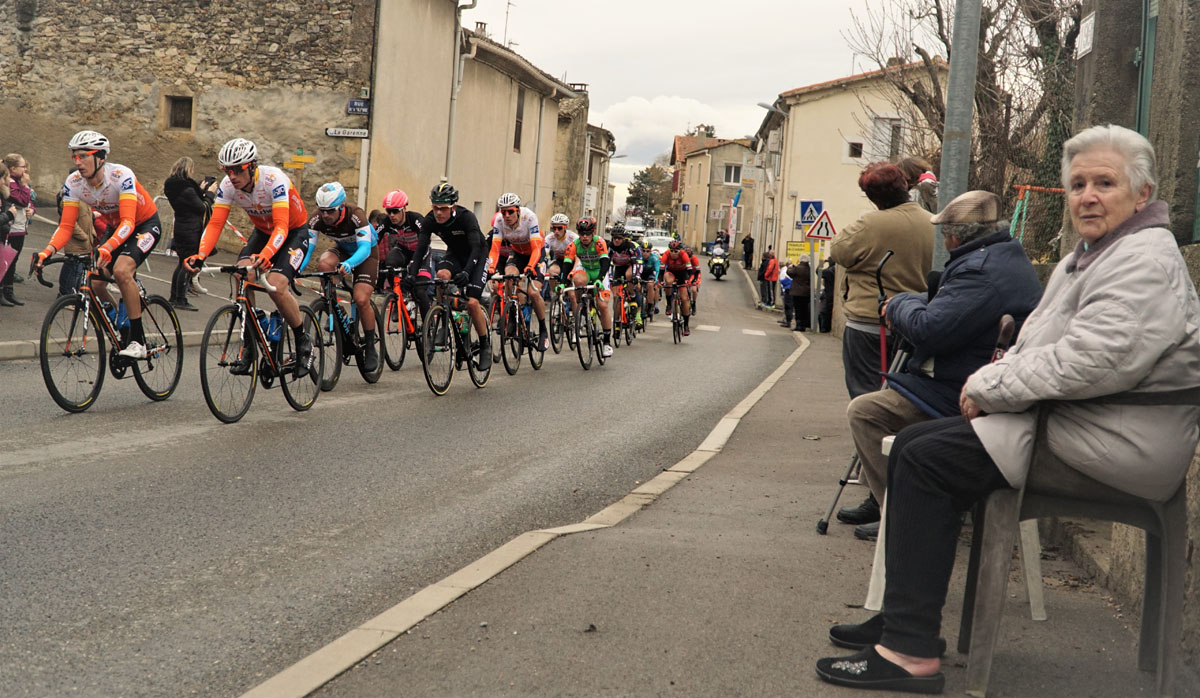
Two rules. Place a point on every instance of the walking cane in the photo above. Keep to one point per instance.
(883, 362)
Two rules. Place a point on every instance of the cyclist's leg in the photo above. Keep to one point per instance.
(126, 259)
(365, 276)
(474, 291)
(329, 260)
(284, 265)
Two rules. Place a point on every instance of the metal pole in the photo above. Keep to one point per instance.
(960, 105)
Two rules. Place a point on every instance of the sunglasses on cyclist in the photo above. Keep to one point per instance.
(394, 210)
(327, 210)
(86, 154)
(234, 169)
(442, 209)
(558, 227)
(509, 211)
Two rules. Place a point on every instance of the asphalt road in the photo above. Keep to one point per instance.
(148, 550)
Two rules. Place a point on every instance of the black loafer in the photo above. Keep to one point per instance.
(867, 512)
(868, 671)
(860, 636)
(867, 531)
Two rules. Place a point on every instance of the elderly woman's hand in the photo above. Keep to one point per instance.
(967, 406)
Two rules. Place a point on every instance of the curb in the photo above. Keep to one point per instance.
(28, 348)
(330, 661)
(753, 284)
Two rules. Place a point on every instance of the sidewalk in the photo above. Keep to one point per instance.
(720, 586)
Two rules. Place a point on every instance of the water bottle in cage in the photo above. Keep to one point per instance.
(460, 321)
(525, 313)
(261, 316)
(274, 326)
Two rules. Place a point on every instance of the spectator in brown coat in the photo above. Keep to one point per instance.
(801, 292)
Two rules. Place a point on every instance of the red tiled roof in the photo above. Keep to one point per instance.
(688, 144)
(838, 82)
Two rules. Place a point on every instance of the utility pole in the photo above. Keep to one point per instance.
(507, 8)
(960, 106)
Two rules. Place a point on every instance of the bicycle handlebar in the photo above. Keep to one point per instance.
(242, 271)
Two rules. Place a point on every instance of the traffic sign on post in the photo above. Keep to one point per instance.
(809, 212)
(822, 228)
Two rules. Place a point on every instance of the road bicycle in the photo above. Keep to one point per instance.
(244, 346)
(449, 339)
(625, 313)
(675, 310)
(342, 335)
(588, 329)
(71, 347)
(514, 324)
(644, 287)
(559, 320)
(401, 324)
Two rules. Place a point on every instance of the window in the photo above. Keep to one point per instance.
(179, 112)
(520, 118)
(895, 141)
(733, 174)
(855, 150)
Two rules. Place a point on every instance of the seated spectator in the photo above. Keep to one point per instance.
(1114, 338)
(987, 277)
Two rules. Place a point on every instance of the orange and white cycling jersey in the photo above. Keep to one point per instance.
(120, 196)
(272, 189)
(525, 238)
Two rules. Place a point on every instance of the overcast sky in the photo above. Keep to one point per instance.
(646, 89)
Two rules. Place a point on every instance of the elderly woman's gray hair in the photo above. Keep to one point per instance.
(1140, 163)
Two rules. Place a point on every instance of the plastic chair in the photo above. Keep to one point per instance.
(1055, 489)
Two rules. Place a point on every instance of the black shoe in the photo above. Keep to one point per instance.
(867, 531)
(17, 277)
(370, 356)
(242, 366)
(304, 356)
(483, 360)
(184, 305)
(867, 512)
(863, 635)
(867, 670)
(10, 298)
(4, 302)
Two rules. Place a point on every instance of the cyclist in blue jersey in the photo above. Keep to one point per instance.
(651, 270)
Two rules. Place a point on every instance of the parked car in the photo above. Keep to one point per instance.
(658, 242)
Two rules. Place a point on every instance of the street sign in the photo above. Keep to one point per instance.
(796, 249)
(685, 207)
(822, 228)
(347, 132)
(716, 214)
(357, 105)
(809, 211)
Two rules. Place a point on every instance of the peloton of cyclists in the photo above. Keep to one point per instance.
(517, 227)
(681, 267)
(116, 194)
(280, 241)
(355, 251)
(464, 262)
(591, 255)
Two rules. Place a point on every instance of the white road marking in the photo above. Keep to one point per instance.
(709, 328)
(756, 333)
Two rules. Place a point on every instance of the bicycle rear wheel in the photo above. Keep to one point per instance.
(583, 335)
(537, 355)
(511, 346)
(228, 365)
(596, 333)
(495, 315)
(301, 392)
(158, 374)
(555, 321)
(676, 320)
(438, 344)
(478, 377)
(370, 376)
(330, 346)
(72, 354)
(630, 314)
(394, 330)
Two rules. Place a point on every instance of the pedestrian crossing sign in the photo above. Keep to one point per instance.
(822, 228)
(809, 212)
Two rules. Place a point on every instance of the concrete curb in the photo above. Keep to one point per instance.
(325, 664)
(753, 284)
(28, 348)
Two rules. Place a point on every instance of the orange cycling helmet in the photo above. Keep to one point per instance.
(586, 225)
(395, 199)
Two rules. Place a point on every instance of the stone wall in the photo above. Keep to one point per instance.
(571, 157)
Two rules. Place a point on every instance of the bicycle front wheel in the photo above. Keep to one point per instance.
(301, 391)
(330, 346)
(555, 311)
(630, 314)
(158, 375)
(495, 315)
(394, 331)
(676, 321)
(438, 345)
(228, 365)
(478, 376)
(583, 335)
(371, 376)
(72, 354)
(537, 355)
(596, 333)
(511, 346)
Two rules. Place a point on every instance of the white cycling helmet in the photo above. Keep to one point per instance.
(89, 140)
(560, 219)
(238, 151)
(331, 195)
(508, 199)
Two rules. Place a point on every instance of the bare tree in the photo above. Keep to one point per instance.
(1023, 88)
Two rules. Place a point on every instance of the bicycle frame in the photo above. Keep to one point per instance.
(246, 310)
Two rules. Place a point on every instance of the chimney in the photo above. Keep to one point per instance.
(895, 61)
(481, 29)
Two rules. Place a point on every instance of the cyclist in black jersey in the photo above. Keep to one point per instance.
(465, 261)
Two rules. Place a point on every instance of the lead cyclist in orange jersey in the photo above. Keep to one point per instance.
(681, 267)
(114, 192)
(280, 239)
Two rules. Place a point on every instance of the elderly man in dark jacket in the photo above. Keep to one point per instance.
(952, 335)
(801, 293)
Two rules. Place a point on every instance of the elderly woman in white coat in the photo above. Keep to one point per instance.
(1119, 315)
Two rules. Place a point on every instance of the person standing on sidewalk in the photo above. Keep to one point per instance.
(828, 276)
(192, 203)
(748, 250)
(952, 335)
(770, 274)
(22, 198)
(785, 284)
(801, 293)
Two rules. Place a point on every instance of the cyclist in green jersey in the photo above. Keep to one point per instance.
(587, 262)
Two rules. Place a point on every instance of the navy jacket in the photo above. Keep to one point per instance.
(955, 333)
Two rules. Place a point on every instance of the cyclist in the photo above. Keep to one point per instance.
(557, 243)
(401, 228)
(592, 256)
(280, 242)
(625, 255)
(355, 252)
(681, 267)
(464, 261)
(651, 269)
(115, 193)
(518, 226)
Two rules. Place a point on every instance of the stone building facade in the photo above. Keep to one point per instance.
(711, 179)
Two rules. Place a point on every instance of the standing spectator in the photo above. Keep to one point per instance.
(748, 250)
(22, 198)
(899, 225)
(801, 293)
(8, 212)
(825, 310)
(785, 284)
(192, 203)
(770, 274)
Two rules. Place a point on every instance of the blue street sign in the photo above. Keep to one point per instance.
(685, 207)
(810, 211)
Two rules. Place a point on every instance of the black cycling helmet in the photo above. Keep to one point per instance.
(443, 194)
(586, 225)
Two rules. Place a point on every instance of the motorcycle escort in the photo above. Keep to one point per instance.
(718, 263)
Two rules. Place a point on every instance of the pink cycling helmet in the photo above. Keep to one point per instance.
(395, 199)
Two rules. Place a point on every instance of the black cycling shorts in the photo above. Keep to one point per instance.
(288, 257)
(141, 241)
(477, 278)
